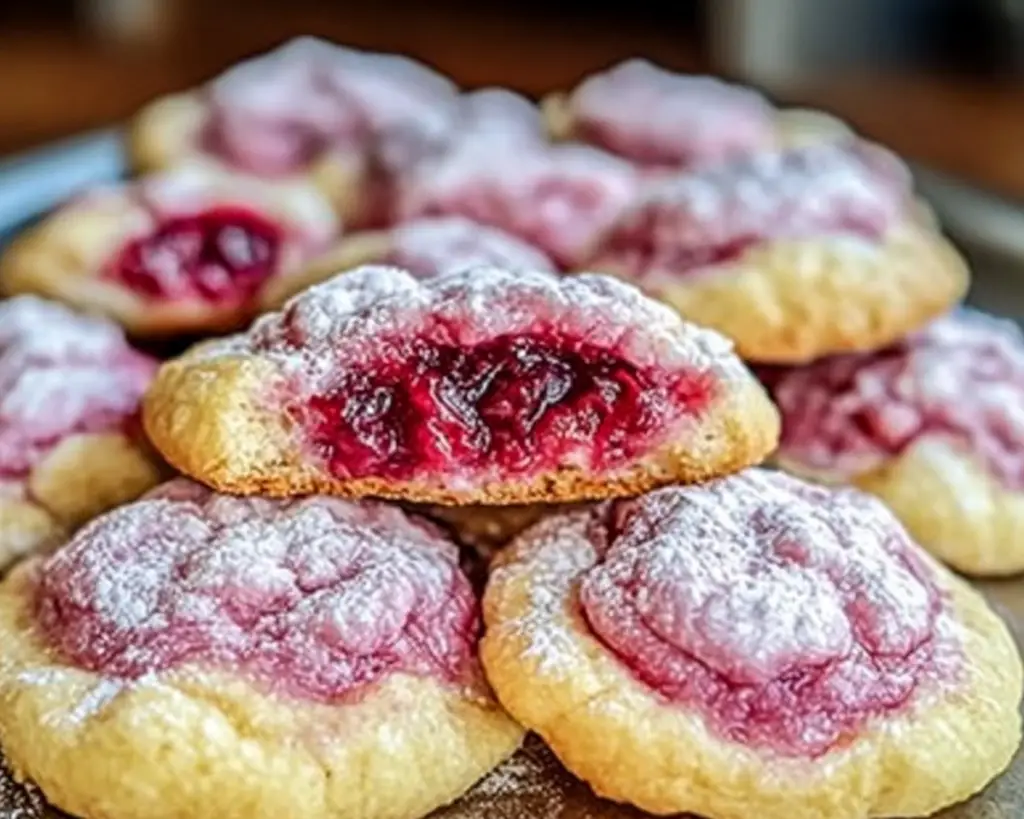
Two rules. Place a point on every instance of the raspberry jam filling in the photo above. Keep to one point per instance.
(428, 247)
(61, 373)
(786, 615)
(695, 221)
(315, 597)
(658, 118)
(559, 199)
(960, 380)
(512, 407)
(220, 255)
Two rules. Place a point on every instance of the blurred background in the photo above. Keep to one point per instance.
(940, 81)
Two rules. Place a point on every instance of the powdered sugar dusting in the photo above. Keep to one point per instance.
(317, 596)
(785, 614)
(558, 198)
(351, 317)
(428, 247)
(19, 801)
(701, 218)
(61, 373)
(657, 117)
(960, 380)
(287, 108)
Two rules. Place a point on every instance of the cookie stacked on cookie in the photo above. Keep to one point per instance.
(292, 627)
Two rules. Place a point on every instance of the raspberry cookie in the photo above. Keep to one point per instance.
(70, 445)
(187, 251)
(311, 658)
(486, 529)
(794, 255)
(660, 119)
(425, 247)
(933, 425)
(310, 110)
(754, 646)
(559, 198)
(483, 387)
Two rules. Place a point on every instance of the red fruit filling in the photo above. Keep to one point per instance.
(484, 375)
(695, 221)
(317, 597)
(658, 118)
(559, 199)
(428, 247)
(219, 255)
(961, 380)
(786, 615)
(505, 409)
(61, 373)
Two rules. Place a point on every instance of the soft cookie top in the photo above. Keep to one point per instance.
(487, 385)
(693, 222)
(656, 117)
(751, 646)
(317, 598)
(959, 382)
(279, 112)
(61, 374)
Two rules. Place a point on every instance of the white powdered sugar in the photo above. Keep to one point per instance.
(315, 595)
(960, 380)
(358, 316)
(652, 115)
(61, 372)
(448, 244)
(557, 197)
(827, 189)
(751, 594)
(311, 96)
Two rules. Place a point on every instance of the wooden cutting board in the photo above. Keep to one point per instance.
(532, 785)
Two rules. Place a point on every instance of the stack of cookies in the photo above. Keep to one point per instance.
(435, 387)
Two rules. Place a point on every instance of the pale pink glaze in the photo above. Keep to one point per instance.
(656, 117)
(959, 381)
(446, 244)
(61, 373)
(283, 110)
(696, 220)
(559, 198)
(317, 597)
(482, 376)
(787, 615)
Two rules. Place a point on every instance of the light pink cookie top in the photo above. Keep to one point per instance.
(191, 234)
(61, 373)
(697, 220)
(318, 597)
(960, 381)
(281, 111)
(559, 198)
(786, 616)
(447, 244)
(483, 376)
(656, 117)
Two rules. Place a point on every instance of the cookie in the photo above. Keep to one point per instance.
(657, 118)
(559, 198)
(794, 255)
(311, 658)
(187, 251)
(70, 443)
(489, 386)
(486, 529)
(310, 110)
(934, 426)
(424, 247)
(753, 646)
